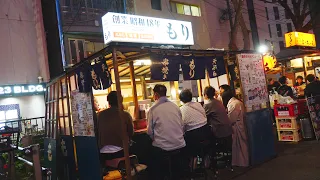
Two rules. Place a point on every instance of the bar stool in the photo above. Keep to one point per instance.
(223, 151)
(199, 161)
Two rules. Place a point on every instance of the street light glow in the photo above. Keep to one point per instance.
(263, 49)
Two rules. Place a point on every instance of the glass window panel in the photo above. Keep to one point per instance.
(98, 46)
(195, 11)
(173, 7)
(276, 13)
(180, 8)
(2, 115)
(187, 10)
(80, 50)
(12, 114)
(73, 51)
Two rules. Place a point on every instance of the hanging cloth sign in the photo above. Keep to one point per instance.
(193, 68)
(215, 66)
(165, 68)
(95, 76)
(84, 78)
(102, 70)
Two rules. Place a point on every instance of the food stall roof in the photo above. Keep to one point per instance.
(127, 53)
(288, 54)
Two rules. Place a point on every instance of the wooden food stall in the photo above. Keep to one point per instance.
(74, 99)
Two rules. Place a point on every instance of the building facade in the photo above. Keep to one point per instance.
(82, 31)
(23, 56)
(279, 23)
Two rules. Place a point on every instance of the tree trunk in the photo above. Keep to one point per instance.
(239, 21)
(234, 29)
(245, 34)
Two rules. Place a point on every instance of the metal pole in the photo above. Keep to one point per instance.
(125, 138)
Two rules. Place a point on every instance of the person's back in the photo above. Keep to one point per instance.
(313, 89)
(218, 118)
(166, 126)
(285, 90)
(109, 127)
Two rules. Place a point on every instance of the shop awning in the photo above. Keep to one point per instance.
(288, 54)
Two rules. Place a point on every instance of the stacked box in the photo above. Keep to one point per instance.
(288, 126)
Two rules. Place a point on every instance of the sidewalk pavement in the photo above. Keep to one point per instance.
(295, 161)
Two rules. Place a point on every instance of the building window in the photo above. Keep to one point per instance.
(287, 14)
(281, 45)
(185, 9)
(156, 4)
(267, 14)
(77, 50)
(9, 112)
(289, 27)
(276, 13)
(270, 33)
(67, 2)
(279, 30)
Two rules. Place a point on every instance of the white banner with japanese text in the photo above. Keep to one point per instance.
(141, 29)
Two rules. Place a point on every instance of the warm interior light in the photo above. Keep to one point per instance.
(296, 63)
(128, 80)
(142, 62)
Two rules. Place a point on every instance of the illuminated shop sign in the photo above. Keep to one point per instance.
(141, 29)
(22, 89)
(300, 39)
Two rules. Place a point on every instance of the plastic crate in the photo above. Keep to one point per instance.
(287, 123)
(302, 106)
(281, 110)
(289, 135)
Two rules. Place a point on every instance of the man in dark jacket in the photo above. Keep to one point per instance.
(284, 89)
(313, 88)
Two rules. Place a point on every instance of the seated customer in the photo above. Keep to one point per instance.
(194, 121)
(217, 115)
(109, 129)
(165, 127)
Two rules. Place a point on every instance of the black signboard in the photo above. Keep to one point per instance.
(314, 110)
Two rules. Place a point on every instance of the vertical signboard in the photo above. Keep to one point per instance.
(85, 140)
(255, 96)
(314, 110)
(253, 80)
(82, 114)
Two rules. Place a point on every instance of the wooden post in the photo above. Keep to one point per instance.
(173, 90)
(226, 64)
(134, 91)
(143, 87)
(199, 88)
(208, 77)
(125, 138)
(176, 86)
(304, 68)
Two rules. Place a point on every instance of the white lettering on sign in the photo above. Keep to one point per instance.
(21, 89)
(283, 113)
(141, 29)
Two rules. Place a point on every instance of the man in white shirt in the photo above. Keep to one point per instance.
(166, 131)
